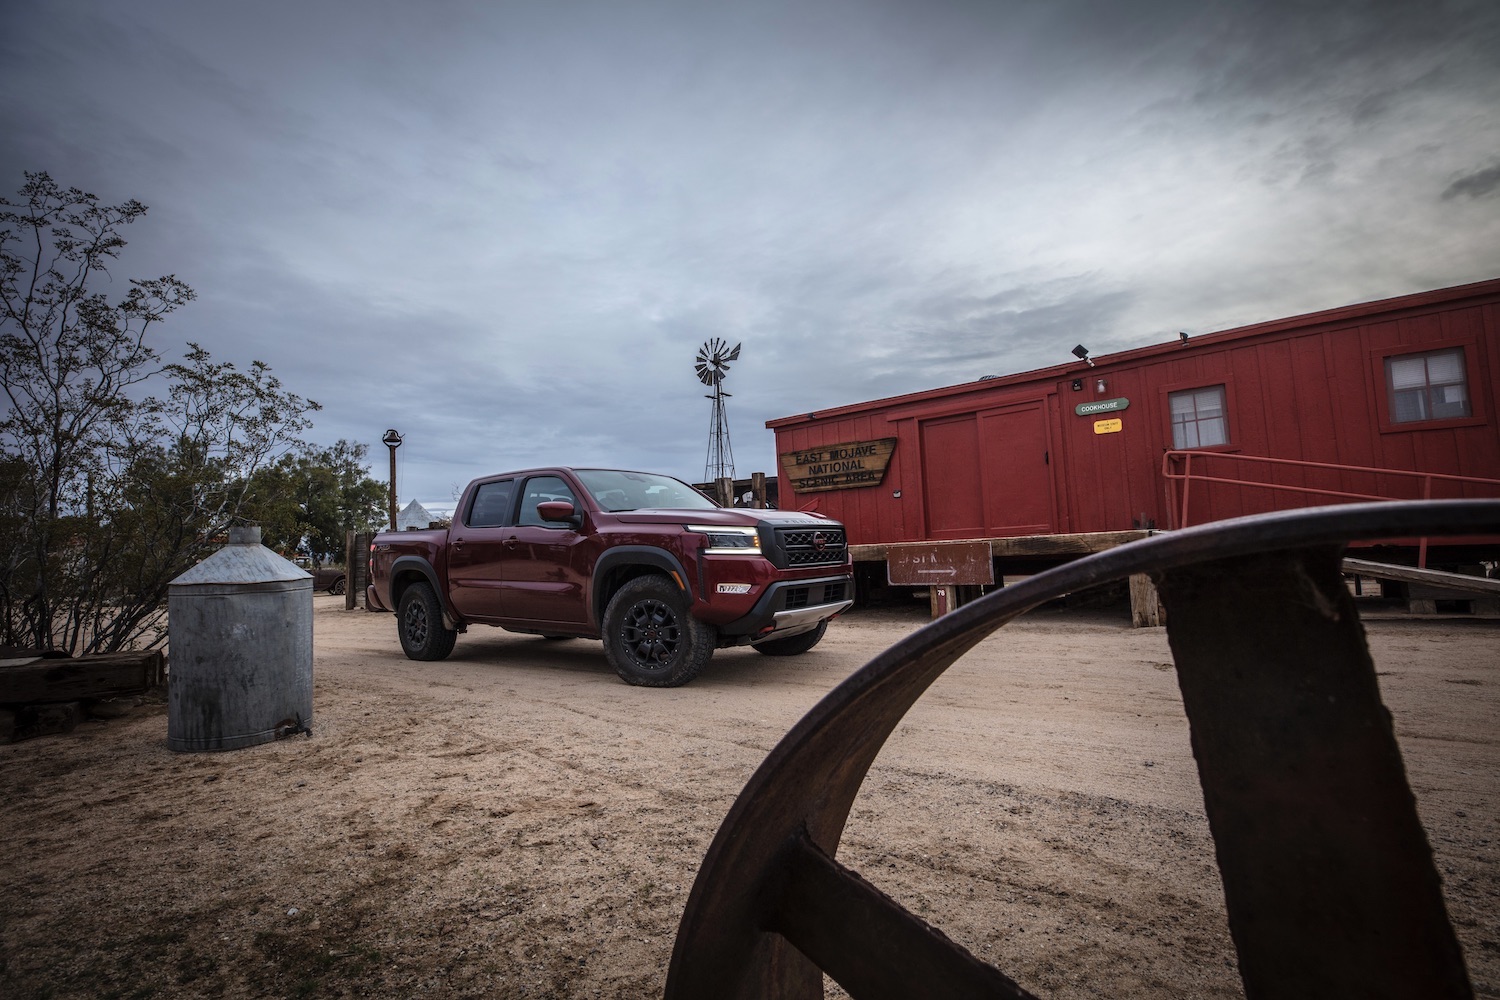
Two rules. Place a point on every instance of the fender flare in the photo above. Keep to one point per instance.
(419, 565)
(632, 555)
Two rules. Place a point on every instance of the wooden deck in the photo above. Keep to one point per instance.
(1018, 547)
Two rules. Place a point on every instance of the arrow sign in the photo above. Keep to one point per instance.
(921, 564)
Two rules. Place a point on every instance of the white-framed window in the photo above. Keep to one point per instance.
(1198, 417)
(1427, 386)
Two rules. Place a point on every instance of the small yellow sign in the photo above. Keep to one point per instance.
(1113, 426)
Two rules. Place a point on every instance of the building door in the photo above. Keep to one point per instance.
(1015, 470)
(951, 489)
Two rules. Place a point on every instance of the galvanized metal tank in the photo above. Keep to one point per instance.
(241, 656)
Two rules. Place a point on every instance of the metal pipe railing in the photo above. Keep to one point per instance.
(1178, 467)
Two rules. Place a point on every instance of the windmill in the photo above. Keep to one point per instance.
(712, 364)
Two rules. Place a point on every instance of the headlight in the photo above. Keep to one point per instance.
(729, 541)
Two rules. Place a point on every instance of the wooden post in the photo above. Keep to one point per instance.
(724, 491)
(1145, 605)
(356, 568)
(349, 586)
(392, 440)
(393, 488)
(758, 490)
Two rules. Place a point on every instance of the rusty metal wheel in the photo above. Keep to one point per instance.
(1328, 880)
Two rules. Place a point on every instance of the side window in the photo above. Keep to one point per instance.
(540, 489)
(1198, 417)
(1428, 386)
(491, 507)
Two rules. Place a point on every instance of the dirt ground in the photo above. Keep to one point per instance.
(516, 822)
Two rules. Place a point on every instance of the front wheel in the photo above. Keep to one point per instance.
(419, 622)
(793, 645)
(338, 586)
(649, 637)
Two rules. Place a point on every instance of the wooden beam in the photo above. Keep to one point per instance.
(59, 680)
(1431, 577)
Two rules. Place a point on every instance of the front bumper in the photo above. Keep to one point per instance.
(793, 606)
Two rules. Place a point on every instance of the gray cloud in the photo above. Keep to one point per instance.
(1478, 184)
(505, 228)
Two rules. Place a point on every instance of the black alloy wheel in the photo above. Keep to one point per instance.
(650, 638)
(419, 622)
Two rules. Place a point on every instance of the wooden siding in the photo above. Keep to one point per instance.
(1010, 457)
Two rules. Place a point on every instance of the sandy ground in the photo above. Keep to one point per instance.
(515, 821)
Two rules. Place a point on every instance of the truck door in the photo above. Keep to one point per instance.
(476, 551)
(545, 568)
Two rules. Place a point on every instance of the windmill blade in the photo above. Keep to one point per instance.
(712, 360)
(703, 364)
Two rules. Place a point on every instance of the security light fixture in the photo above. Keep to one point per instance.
(1078, 385)
(1082, 353)
(1182, 336)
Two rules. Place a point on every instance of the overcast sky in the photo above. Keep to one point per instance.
(504, 228)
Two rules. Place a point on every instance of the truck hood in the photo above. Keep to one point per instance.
(737, 516)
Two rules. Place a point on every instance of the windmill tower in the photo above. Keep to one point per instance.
(712, 364)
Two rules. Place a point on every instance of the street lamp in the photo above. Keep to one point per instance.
(392, 440)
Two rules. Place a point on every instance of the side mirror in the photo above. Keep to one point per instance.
(557, 510)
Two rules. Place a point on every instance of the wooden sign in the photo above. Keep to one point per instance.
(844, 466)
(1109, 426)
(939, 564)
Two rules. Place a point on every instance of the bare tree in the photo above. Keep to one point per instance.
(112, 492)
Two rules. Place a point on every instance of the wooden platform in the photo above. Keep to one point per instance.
(1018, 547)
(1145, 607)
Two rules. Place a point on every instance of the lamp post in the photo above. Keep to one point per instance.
(392, 440)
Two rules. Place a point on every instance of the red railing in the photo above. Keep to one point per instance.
(1189, 467)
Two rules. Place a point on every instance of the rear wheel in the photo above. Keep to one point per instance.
(649, 637)
(338, 586)
(419, 622)
(794, 645)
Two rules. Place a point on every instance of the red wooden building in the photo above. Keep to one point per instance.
(1392, 399)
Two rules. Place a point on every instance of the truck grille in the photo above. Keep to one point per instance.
(813, 546)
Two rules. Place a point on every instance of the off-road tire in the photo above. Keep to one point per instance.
(649, 637)
(794, 645)
(419, 623)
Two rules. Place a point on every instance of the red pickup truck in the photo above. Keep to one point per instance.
(645, 562)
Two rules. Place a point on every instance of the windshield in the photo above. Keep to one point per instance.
(616, 491)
